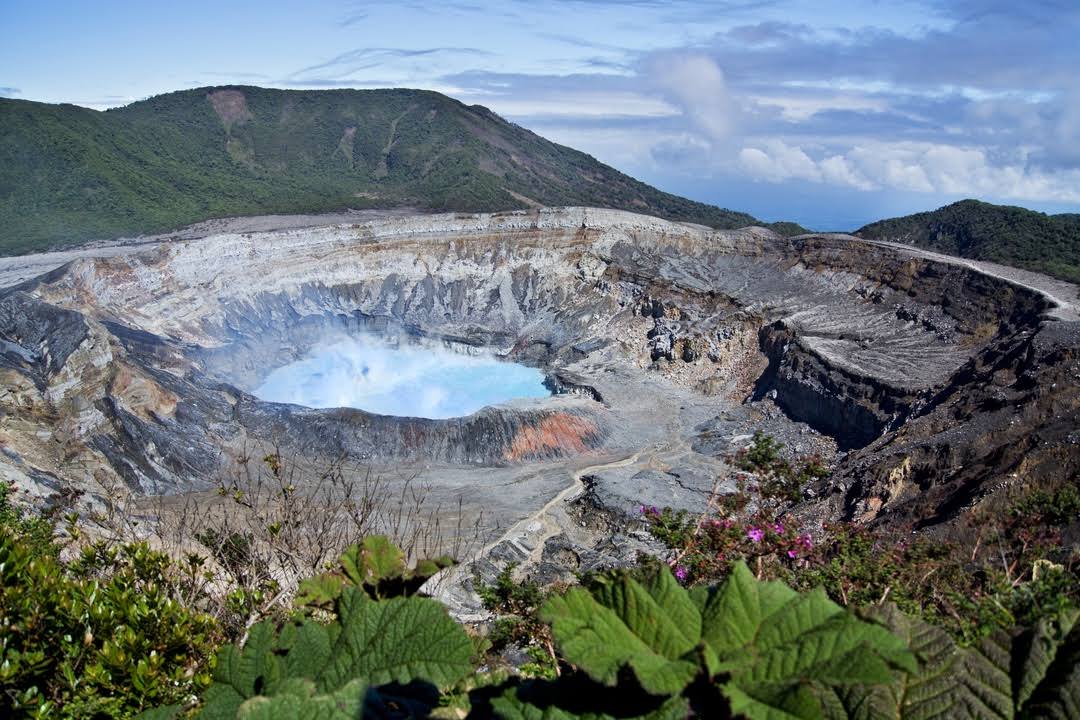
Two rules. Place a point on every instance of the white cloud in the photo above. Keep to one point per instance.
(696, 84)
(778, 162)
(911, 166)
(837, 170)
(799, 108)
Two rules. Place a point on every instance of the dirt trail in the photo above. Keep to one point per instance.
(527, 536)
(1064, 295)
(538, 527)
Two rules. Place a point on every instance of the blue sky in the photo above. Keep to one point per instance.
(829, 113)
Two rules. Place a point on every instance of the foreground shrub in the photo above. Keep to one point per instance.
(397, 653)
(516, 606)
(757, 648)
(1014, 569)
(1019, 673)
(100, 637)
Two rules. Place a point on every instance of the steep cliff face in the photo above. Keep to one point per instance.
(856, 382)
(1008, 420)
(136, 369)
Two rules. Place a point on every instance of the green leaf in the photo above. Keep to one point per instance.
(376, 558)
(243, 673)
(601, 640)
(732, 616)
(427, 568)
(321, 590)
(1050, 681)
(773, 702)
(1023, 673)
(928, 692)
(373, 642)
(509, 706)
(396, 640)
(774, 642)
(167, 712)
(660, 611)
(301, 703)
(1026, 673)
(307, 647)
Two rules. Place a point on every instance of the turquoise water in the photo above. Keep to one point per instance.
(409, 381)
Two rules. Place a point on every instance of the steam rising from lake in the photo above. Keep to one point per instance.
(409, 381)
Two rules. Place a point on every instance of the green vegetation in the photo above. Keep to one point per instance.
(775, 625)
(35, 531)
(759, 648)
(516, 606)
(370, 654)
(104, 635)
(69, 174)
(377, 567)
(981, 231)
(1012, 569)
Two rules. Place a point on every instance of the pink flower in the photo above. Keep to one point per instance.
(778, 528)
(680, 573)
(792, 554)
(805, 541)
(755, 534)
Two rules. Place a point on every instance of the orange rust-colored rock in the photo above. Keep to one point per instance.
(142, 395)
(559, 434)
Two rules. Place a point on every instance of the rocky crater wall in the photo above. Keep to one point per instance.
(138, 367)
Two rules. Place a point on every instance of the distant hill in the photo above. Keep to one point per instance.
(69, 174)
(999, 233)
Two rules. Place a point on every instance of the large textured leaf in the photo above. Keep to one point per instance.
(775, 644)
(771, 642)
(397, 640)
(321, 590)
(374, 559)
(926, 694)
(773, 702)
(300, 702)
(673, 625)
(732, 616)
(511, 707)
(601, 640)
(1025, 673)
(243, 673)
(377, 566)
(1056, 694)
(304, 667)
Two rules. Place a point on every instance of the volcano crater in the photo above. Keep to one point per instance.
(664, 347)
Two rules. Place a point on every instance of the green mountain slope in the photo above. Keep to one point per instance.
(70, 174)
(999, 233)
